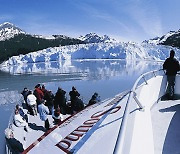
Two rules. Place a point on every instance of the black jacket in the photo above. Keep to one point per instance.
(171, 65)
(16, 146)
(60, 98)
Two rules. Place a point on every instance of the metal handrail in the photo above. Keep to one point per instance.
(9, 149)
(121, 135)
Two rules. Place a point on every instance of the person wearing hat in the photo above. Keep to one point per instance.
(171, 65)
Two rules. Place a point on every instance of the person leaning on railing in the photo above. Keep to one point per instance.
(171, 65)
(20, 122)
(15, 145)
(21, 112)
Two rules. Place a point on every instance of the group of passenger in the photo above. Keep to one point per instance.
(45, 103)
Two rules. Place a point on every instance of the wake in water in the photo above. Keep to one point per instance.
(10, 97)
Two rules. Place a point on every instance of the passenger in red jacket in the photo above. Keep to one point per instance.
(39, 94)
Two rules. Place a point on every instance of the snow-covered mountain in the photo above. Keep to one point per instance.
(8, 30)
(23, 43)
(103, 48)
(172, 36)
(94, 38)
(51, 37)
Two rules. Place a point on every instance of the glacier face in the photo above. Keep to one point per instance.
(128, 51)
(86, 68)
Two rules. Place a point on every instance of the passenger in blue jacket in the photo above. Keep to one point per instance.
(43, 112)
(171, 65)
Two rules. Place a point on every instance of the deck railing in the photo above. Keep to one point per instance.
(9, 149)
(143, 79)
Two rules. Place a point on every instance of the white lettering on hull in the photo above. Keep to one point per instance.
(75, 135)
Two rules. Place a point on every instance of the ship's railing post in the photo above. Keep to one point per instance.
(8, 150)
(144, 79)
(138, 102)
(154, 74)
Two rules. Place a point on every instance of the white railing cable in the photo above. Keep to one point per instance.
(121, 135)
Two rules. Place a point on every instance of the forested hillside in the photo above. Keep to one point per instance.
(23, 44)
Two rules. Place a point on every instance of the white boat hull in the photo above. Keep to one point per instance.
(120, 125)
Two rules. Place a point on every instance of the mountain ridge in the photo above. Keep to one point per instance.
(14, 41)
(172, 38)
(9, 30)
(94, 38)
(90, 46)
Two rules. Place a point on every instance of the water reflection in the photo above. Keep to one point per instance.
(92, 69)
(108, 77)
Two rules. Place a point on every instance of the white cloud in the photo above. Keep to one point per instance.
(147, 17)
(103, 15)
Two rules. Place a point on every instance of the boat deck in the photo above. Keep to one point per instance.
(166, 127)
(92, 123)
(36, 129)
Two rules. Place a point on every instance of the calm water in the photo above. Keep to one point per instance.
(107, 77)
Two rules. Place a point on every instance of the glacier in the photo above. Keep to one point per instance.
(117, 50)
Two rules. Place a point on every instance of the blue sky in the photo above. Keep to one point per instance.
(126, 20)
